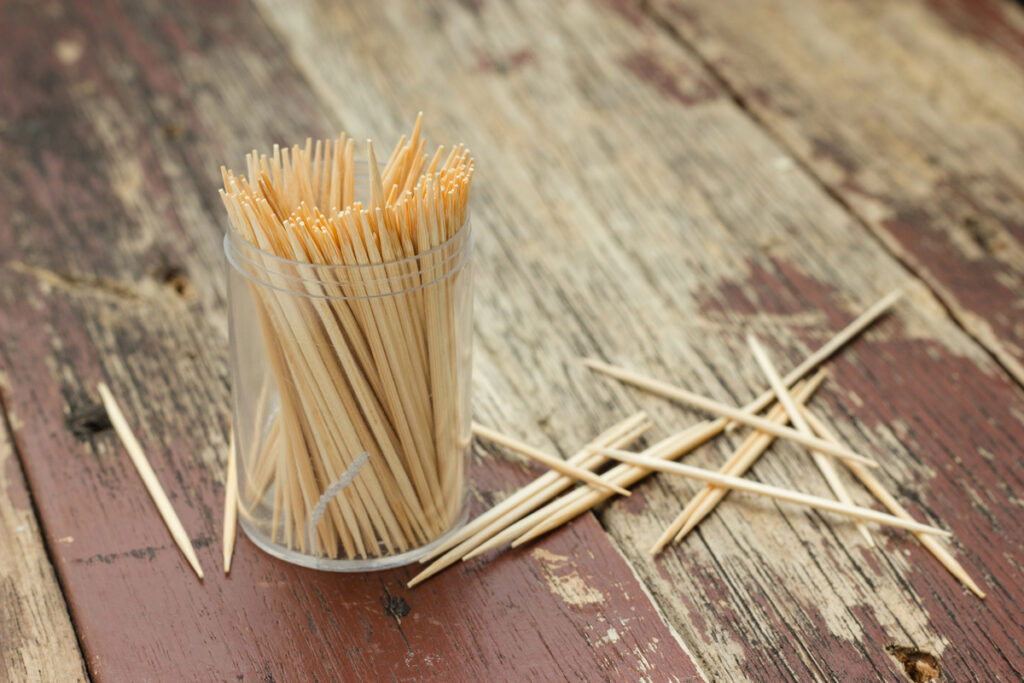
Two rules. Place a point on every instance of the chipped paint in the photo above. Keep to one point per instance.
(564, 580)
(68, 51)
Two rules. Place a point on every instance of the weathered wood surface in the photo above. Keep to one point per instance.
(115, 119)
(911, 113)
(37, 642)
(627, 207)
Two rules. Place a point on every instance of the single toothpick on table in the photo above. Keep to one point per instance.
(156, 492)
(740, 484)
(230, 503)
(739, 462)
(872, 484)
(825, 466)
(557, 464)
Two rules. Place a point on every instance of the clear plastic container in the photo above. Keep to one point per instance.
(351, 370)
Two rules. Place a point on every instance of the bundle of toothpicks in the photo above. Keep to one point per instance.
(359, 363)
(539, 506)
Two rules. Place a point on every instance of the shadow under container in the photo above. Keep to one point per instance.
(349, 370)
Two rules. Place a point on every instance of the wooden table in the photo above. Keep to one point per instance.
(655, 179)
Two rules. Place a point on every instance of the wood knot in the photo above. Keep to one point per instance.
(87, 420)
(175, 278)
(173, 132)
(920, 666)
(394, 606)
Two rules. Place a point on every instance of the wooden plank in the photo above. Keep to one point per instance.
(37, 642)
(909, 112)
(626, 207)
(115, 119)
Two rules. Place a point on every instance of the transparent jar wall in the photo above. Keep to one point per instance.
(331, 361)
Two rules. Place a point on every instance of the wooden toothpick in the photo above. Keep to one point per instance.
(576, 502)
(230, 503)
(872, 484)
(770, 491)
(530, 497)
(841, 338)
(557, 464)
(739, 462)
(735, 414)
(371, 359)
(138, 457)
(637, 423)
(824, 465)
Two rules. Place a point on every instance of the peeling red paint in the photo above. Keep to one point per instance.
(961, 425)
(678, 82)
(515, 60)
(985, 22)
(772, 287)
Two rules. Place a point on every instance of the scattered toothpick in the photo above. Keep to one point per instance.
(557, 464)
(741, 460)
(824, 465)
(872, 484)
(230, 503)
(740, 415)
(577, 502)
(145, 471)
(841, 338)
(528, 498)
(771, 491)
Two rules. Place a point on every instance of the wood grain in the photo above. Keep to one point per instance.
(115, 120)
(627, 207)
(37, 642)
(910, 113)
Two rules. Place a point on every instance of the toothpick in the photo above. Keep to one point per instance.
(528, 498)
(145, 471)
(638, 422)
(580, 500)
(557, 464)
(770, 491)
(367, 361)
(826, 468)
(761, 402)
(739, 462)
(872, 484)
(230, 503)
(734, 414)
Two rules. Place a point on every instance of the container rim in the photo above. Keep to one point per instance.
(237, 242)
(301, 278)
